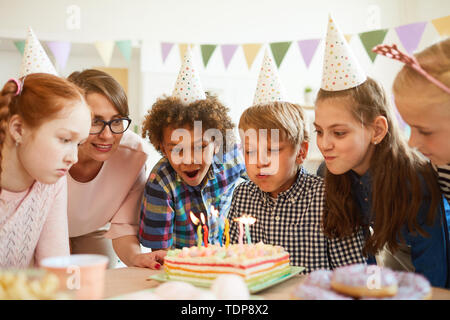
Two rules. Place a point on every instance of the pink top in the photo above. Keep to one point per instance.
(33, 224)
(114, 195)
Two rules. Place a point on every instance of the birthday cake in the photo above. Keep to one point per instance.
(255, 263)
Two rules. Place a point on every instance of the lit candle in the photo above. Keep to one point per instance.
(205, 230)
(245, 220)
(241, 233)
(227, 233)
(195, 221)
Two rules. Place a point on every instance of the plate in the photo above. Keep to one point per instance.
(253, 288)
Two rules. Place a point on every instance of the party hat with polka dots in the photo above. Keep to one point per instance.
(269, 87)
(35, 60)
(188, 87)
(341, 70)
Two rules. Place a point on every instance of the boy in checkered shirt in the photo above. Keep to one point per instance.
(286, 201)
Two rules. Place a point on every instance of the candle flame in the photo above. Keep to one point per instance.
(194, 219)
(202, 216)
(246, 219)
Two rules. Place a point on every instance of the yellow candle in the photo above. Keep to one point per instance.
(227, 233)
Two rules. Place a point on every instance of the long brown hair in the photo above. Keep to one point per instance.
(41, 98)
(397, 191)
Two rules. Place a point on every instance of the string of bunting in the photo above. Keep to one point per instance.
(409, 35)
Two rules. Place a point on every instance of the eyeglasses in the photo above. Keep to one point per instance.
(116, 126)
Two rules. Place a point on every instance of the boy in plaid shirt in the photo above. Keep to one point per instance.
(286, 201)
(194, 174)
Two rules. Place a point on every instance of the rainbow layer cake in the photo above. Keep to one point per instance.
(255, 263)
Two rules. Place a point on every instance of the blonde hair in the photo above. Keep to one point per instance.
(287, 117)
(436, 61)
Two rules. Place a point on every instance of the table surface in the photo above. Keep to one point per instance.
(121, 281)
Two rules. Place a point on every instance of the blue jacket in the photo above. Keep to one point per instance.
(429, 255)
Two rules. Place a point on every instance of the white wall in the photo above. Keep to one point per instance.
(209, 21)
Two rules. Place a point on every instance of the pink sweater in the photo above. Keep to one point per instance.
(33, 224)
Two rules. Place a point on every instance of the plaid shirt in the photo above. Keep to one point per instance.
(168, 200)
(294, 221)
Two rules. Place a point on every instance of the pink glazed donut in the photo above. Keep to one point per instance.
(319, 278)
(360, 280)
(412, 286)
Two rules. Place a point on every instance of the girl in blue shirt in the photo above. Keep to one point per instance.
(375, 182)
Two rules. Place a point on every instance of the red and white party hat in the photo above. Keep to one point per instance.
(269, 87)
(188, 87)
(341, 70)
(35, 60)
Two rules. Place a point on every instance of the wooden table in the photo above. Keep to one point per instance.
(126, 280)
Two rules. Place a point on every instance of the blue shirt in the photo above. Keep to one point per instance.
(429, 255)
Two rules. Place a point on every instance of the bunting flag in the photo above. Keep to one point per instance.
(61, 51)
(348, 37)
(228, 51)
(20, 45)
(251, 51)
(105, 49)
(442, 26)
(183, 48)
(371, 39)
(410, 35)
(279, 50)
(166, 47)
(308, 49)
(125, 48)
(207, 51)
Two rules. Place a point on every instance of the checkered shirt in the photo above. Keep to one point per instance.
(168, 200)
(294, 221)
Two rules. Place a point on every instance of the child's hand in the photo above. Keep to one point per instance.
(152, 260)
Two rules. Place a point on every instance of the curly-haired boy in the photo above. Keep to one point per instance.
(200, 168)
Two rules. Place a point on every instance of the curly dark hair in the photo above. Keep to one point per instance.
(171, 112)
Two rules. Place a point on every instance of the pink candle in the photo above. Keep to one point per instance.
(241, 233)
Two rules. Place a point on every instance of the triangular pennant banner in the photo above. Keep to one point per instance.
(105, 49)
(410, 35)
(279, 50)
(125, 48)
(251, 51)
(348, 37)
(183, 48)
(308, 49)
(207, 51)
(228, 51)
(20, 45)
(442, 26)
(61, 51)
(165, 50)
(371, 39)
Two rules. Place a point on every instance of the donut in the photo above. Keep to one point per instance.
(311, 292)
(319, 278)
(360, 280)
(175, 290)
(412, 286)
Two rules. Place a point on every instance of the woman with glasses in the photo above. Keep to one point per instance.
(105, 187)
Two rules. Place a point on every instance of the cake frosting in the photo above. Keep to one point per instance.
(255, 263)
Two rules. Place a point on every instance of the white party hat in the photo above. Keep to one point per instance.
(35, 60)
(188, 87)
(341, 70)
(269, 87)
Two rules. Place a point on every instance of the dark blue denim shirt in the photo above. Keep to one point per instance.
(429, 255)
